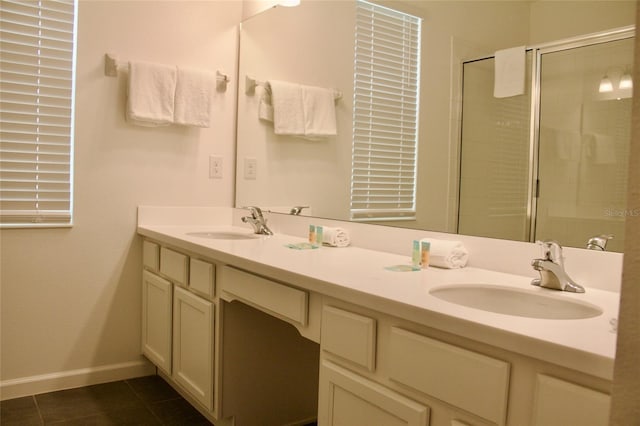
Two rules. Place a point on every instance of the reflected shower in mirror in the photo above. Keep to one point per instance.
(314, 45)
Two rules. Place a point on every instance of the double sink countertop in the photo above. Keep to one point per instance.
(357, 275)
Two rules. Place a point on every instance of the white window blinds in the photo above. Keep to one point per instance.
(36, 111)
(385, 115)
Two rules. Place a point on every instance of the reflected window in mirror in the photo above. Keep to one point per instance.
(385, 114)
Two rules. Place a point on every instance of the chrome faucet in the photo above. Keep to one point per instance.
(296, 210)
(551, 269)
(599, 242)
(258, 221)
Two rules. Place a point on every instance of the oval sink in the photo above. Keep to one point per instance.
(517, 302)
(224, 235)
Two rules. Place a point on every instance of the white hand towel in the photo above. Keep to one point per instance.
(319, 111)
(447, 253)
(151, 93)
(335, 237)
(288, 109)
(194, 91)
(509, 72)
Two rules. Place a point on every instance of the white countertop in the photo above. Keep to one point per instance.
(358, 276)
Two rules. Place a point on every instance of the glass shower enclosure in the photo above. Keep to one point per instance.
(551, 163)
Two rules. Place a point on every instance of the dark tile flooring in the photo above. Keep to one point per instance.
(142, 401)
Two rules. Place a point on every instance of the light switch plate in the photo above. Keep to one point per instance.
(215, 167)
(250, 168)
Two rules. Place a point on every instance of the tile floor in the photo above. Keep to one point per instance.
(142, 401)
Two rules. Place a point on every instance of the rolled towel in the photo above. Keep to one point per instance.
(447, 253)
(335, 237)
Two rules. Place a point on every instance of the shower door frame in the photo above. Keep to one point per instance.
(538, 50)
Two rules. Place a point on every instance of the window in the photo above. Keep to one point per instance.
(385, 114)
(36, 112)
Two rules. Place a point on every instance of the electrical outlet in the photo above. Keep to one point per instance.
(250, 168)
(215, 167)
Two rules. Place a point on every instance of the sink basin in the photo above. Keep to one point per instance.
(224, 235)
(513, 301)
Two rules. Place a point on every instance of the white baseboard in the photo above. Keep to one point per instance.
(34, 385)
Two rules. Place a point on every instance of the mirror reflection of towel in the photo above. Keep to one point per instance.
(299, 110)
(319, 111)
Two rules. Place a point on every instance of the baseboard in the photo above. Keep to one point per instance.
(33, 385)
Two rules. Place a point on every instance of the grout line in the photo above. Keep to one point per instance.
(35, 401)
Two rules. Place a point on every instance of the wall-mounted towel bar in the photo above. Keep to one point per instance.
(251, 83)
(112, 65)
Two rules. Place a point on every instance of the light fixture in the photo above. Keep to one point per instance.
(289, 3)
(626, 82)
(605, 85)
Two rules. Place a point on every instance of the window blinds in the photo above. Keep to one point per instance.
(36, 111)
(385, 114)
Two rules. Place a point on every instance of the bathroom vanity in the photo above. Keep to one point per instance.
(253, 332)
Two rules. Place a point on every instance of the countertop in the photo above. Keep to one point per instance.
(357, 275)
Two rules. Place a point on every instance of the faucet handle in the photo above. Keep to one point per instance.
(551, 250)
(599, 242)
(256, 212)
(296, 210)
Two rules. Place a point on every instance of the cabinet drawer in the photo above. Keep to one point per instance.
(561, 403)
(174, 265)
(468, 380)
(282, 301)
(350, 336)
(202, 277)
(150, 255)
(346, 398)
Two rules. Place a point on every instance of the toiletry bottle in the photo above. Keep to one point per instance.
(312, 234)
(319, 235)
(415, 253)
(424, 254)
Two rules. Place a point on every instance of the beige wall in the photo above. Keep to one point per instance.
(555, 20)
(71, 297)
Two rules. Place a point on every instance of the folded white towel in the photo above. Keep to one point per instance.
(151, 93)
(319, 111)
(335, 237)
(288, 109)
(194, 91)
(509, 72)
(448, 254)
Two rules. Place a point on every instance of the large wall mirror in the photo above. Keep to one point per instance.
(547, 164)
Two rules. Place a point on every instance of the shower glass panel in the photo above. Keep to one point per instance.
(495, 173)
(583, 145)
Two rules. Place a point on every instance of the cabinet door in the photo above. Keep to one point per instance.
(156, 320)
(347, 399)
(193, 345)
(560, 403)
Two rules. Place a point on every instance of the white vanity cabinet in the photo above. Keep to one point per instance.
(376, 369)
(178, 317)
(252, 346)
